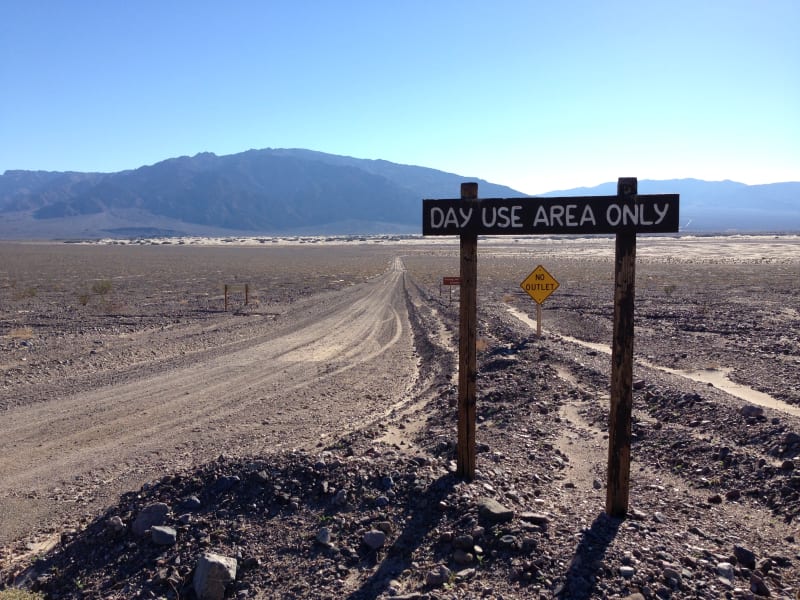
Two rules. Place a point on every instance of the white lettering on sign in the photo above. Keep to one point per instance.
(661, 213)
(441, 218)
(628, 215)
(501, 216)
(614, 214)
(563, 215)
(541, 217)
(590, 214)
(587, 216)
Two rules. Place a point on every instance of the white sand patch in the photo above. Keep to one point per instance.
(718, 377)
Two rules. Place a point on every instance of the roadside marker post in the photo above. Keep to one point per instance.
(232, 287)
(624, 215)
(449, 282)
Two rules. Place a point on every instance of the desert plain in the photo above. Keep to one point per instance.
(309, 434)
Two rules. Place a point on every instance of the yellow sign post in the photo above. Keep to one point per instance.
(539, 285)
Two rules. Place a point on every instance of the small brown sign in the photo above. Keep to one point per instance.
(451, 281)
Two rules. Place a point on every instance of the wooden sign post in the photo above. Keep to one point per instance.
(467, 336)
(619, 420)
(624, 215)
(449, 282)
(231, 287)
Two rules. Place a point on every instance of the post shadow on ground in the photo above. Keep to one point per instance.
(580, 580)
(425, 515)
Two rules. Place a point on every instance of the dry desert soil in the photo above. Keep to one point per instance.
(308, 437)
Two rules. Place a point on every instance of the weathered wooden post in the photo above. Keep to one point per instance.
(538, 319)
(467, 352)
(619, 421)
(226, 297)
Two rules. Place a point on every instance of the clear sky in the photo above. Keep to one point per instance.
(539, 95)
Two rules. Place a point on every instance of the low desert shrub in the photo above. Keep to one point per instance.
(14, 594)
(102, 287)
(28, 292)
(21, 333)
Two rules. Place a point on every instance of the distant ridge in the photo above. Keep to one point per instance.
(721, 206)
(288, 191)
(257, 191)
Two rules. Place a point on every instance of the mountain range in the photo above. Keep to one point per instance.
(295, 191)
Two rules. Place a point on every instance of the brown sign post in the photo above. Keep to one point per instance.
(449, 282)
(232, 287)
(619, 418)
(624, 215)
(467, 336)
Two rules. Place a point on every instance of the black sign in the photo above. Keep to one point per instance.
(653, 213)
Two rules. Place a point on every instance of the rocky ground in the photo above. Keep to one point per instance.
(379, 512)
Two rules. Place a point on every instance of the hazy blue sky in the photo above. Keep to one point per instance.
(538, 95)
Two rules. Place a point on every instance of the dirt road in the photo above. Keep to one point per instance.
(329, 365)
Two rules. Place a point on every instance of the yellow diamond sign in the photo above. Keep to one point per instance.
(539, 284)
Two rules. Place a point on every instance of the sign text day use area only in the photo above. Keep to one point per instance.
(652, 213)
(624, 215)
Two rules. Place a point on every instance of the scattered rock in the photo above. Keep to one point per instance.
(507, 541)
(438, 576)
(341, 498)
(733, 495)
(374, 539)
(745, 557)
(163, 535)
(725, 572)
(627, 572)
(465, 574)
(212, 574)
(791, 439)
(116, 525)
(750, 410)
(493, 511)
(535, 518)
(225, 483)
(153, 514)
(672, 576)
(758, 586)
(324, 536)
(191, 503)
(637, 514)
